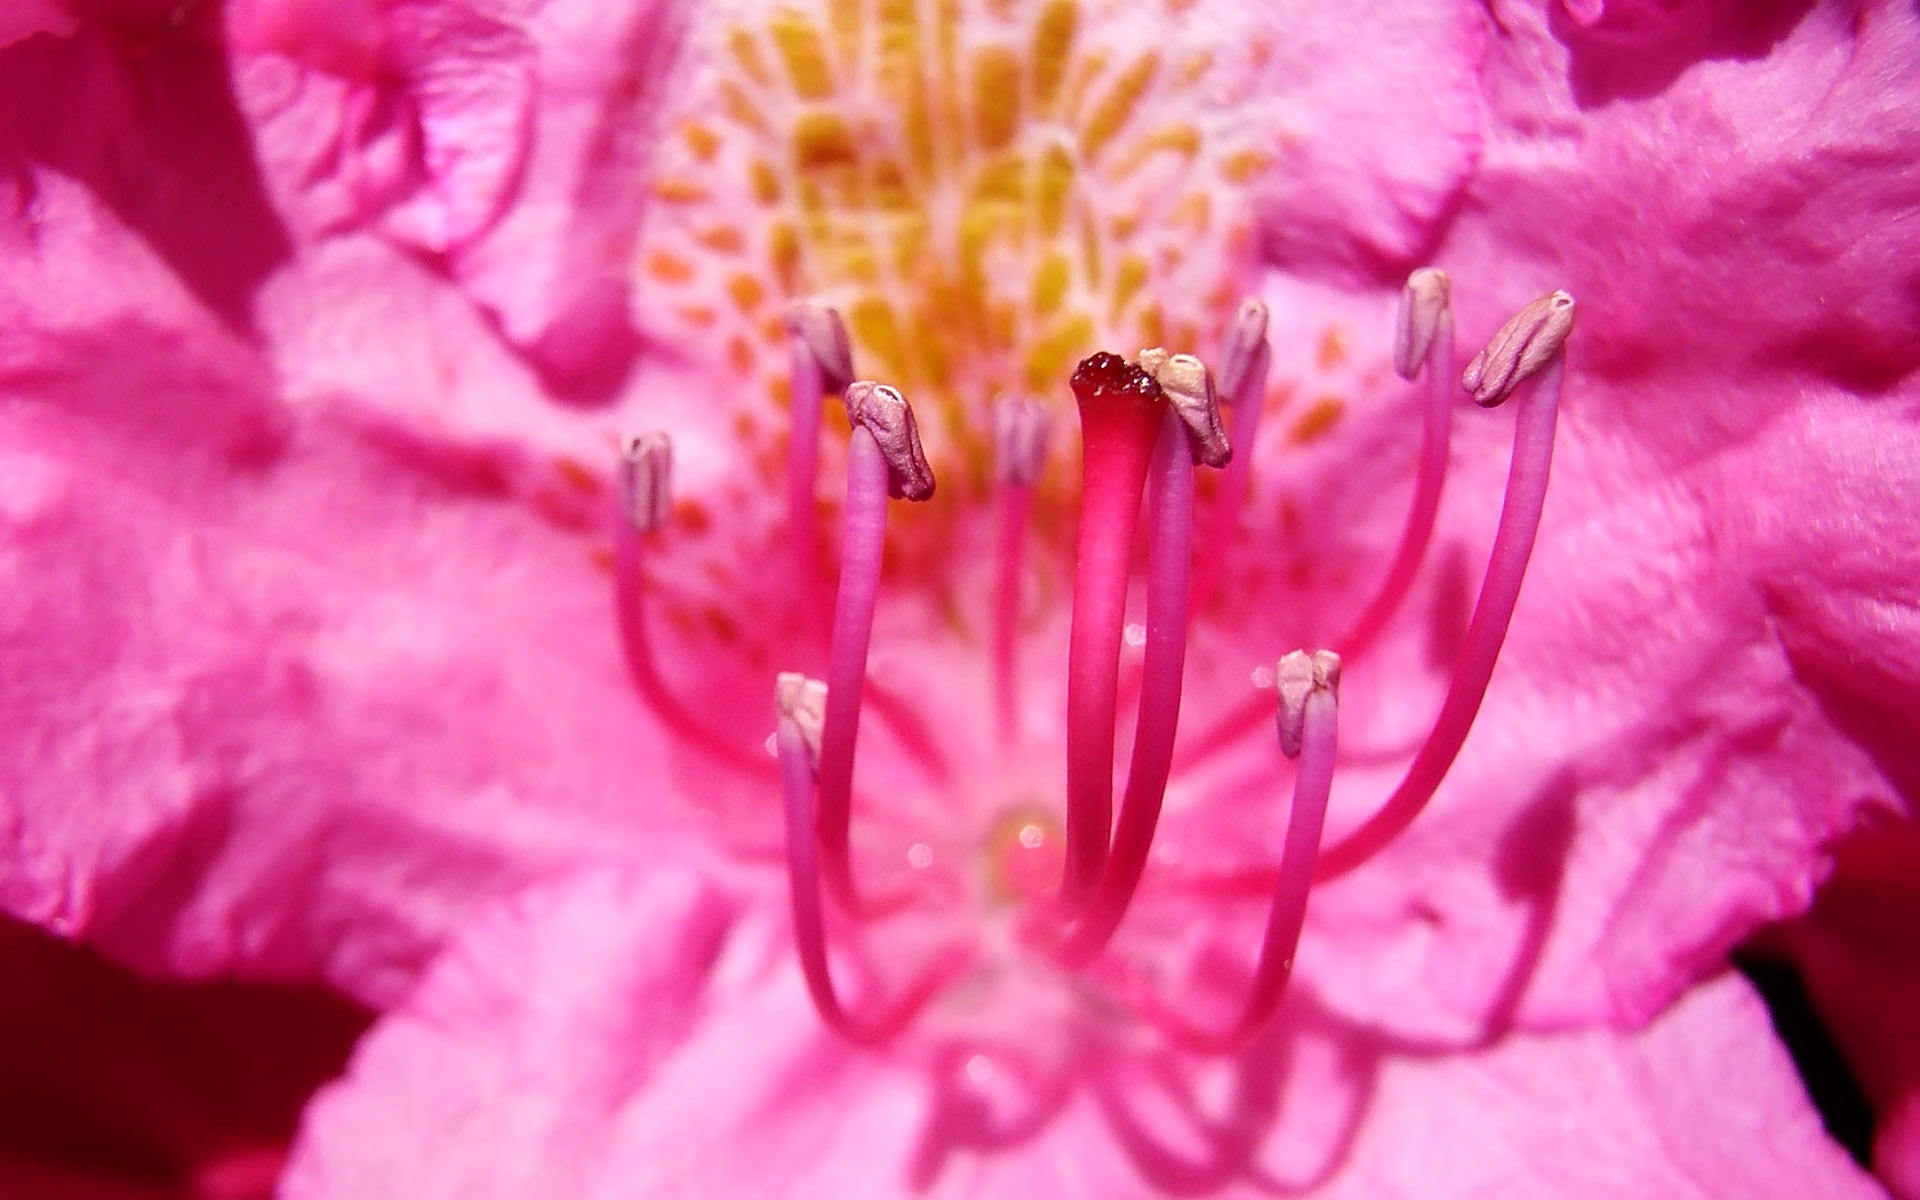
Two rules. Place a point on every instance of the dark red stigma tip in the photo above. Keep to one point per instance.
(1105, 375)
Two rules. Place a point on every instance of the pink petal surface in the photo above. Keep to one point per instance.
(664, 1056)
(302, 753)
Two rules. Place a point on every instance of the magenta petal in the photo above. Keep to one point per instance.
(616, 1035)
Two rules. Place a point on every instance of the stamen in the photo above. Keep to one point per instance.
(1169, 558)
(1020, 449)
(1119, 420)
(1309, 729)
(804, 702)
(644, 499)
(1246, 360)
(1423, 336)
(1525, 345)
(1188, 386)
(1544, 323)
(803, 891)
(883, 458)
(821, 362)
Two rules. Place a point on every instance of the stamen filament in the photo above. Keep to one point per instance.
(1243, 391)
(642, 507)
(1020, 445)
(1506, 568)
(863, 538)
(1318, 720)
(1119, 421)
(806, 393)
(809, 929)
(1436, 434)
(1169, 561)
(1015, 515)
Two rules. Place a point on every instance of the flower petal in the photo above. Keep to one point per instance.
(619, 1035)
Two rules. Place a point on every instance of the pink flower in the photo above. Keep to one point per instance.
(321, 321)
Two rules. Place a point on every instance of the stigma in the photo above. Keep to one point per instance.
(1059, 851)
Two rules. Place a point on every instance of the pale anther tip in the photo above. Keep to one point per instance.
(883, 412)
(1020, 428)
(646, 480)
(1423, 304)
(820, 329)
(1187, 384)
(1534, 337)
(1298, 677)
(1245, 358)
(803, 701)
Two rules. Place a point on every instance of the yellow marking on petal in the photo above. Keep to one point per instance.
(1195, 65)
(746, 52)
(783, 255)
(900, 79)
(848, 22)
(1050, 281)
(803, 52)
(700, 139)
(1194, 210)
(726, 239)
(1333, 348)
(766, 182)
(739, 106)
(740, 353)
(669, 268)
(1318, 420)
(674, 190)
(996, 96)
(747, 292)
(1243, 165)
(1118, 106)
(871, 321)
(822, 140)
(1180, 140)
(1052, 49)
(1128, 279)
(1053, 183)
(1049, 358)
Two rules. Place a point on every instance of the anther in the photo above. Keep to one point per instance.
(646, 480)
(803, 701)
(818, 327)
(1529, 341)
(1188, 386)
(884, 412)
(1298, 676)
(1549, 318)
(1423, 302)
(1245, 358)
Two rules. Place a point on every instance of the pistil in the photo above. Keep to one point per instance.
(1190, 429)
(1120, 413)
(1530, 344)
